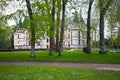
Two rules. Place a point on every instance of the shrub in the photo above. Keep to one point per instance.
(85, 49)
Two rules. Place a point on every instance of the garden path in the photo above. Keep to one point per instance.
(115, 67)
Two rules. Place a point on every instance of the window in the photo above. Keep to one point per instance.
(68, 36)
(75, 42)
(38, 43)
(18, 36)
(84, 36)
(29, 43)
(47, 46)
(29, 36)
(47, 40)
(75, 34)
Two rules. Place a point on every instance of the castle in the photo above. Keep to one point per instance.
(74, 38)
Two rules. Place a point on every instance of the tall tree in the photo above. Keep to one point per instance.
(62, 27)
(104, 5)
(94, 31)
(52, 43)
(89, 27)
(32, 54)
(58, 24)
(118, 38)
(116, 20)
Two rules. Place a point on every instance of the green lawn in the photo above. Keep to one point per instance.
(68, 56)
(55, 73)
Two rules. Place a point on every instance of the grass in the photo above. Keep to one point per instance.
(68, 56)
(55, 73)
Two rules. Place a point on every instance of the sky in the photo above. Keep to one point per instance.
(11, 8)
(11, 22)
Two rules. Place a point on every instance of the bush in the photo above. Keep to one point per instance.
(85, 49)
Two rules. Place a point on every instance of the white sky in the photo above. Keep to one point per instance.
(11, 22)
(13, 7)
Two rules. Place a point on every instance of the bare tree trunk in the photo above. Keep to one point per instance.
(33, 44)
(118, 38)
(111, 40)
(103, 9)
(95, 38)
(52, 43)
(89, 28)
(32, 54)
(57, 35)
(58, 24)
(102, 45)
(12, 41)
(62, 27)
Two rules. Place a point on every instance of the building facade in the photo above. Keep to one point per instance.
(74, 38)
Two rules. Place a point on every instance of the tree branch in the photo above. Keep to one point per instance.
(107, 6)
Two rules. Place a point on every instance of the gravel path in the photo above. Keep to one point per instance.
(115, 67)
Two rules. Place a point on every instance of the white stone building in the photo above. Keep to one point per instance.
(73, 38)
(22, 41)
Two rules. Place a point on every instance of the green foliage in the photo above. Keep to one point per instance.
(5, 34)
(27, 23)
(113, 17)
(4, 30)
(110, 43)
(85, 49)
(6, 44)
(95, 44)
(115, 10)
(55, 73)
(5, 37)
(42, 18)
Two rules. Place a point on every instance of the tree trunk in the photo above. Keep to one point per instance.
(111, 40)
(95, 38)
(62, 28)
(89, 28)
(102, 45)
(32, 43)
(57, 36)
(58, 24)
(118, 38)
(32, 54)
(52, 43)
(103, 9)
(12, 41)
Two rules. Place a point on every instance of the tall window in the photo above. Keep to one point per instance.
(38, 43)
(75, 37)
(18, 36)
(47, 39)
(84, 35)
(79, 37)
(29, 43)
